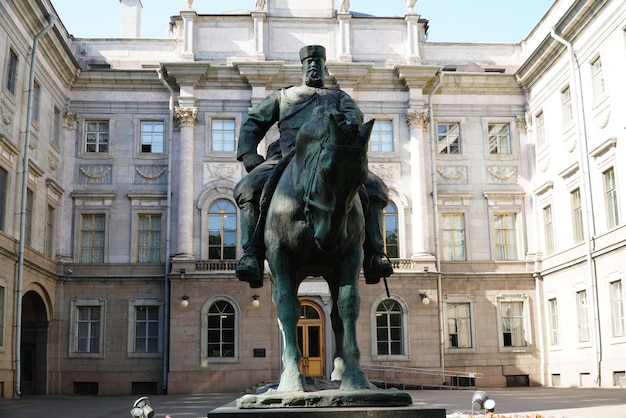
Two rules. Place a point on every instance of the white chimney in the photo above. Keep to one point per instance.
(131, 18)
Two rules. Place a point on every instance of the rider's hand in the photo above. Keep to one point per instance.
(251, 160)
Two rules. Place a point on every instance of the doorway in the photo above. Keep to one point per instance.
(311, 339)
(34, 354)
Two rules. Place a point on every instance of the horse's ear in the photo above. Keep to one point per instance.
(366, 130)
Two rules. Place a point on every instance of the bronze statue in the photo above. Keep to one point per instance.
(291, 108)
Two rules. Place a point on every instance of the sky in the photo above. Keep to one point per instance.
(449, 20)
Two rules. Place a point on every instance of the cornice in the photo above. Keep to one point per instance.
(480, 83)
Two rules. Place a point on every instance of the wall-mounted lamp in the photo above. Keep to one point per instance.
(425, 298)
(425, 269)
(255, 301)
(480, 400)
(184, 302)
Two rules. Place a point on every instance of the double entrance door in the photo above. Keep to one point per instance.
(311, 339)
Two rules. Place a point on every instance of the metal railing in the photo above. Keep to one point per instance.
(401, 377)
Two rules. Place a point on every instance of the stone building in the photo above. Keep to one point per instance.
(119, 233)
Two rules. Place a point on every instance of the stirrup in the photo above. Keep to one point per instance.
(373, 273)
(248, 270)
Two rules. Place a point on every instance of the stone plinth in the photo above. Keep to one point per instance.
(413, 411)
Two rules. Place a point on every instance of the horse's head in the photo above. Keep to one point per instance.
(337, 167)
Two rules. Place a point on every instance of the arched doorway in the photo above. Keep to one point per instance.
(33, 364)
(311, 339)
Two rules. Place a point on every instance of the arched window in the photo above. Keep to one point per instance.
(390, 214)
(389, 328)
(221, 330)
(222, 230)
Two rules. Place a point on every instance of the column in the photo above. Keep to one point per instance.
(65, 228)
(417, 119)
(186, 117)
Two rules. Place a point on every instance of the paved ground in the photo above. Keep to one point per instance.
(549, 402)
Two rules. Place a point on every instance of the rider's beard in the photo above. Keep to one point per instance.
(314, 81)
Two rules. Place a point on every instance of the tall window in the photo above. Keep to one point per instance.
(11, 80)
(87, 336)
(223, 135)
(449, 138)
(149, 239)
(389, 330)
(553, 313)
(97, 136)
(152, 136)
(506, 237)
(499, 138)
(36, 101)
(454, 237)
(390, 214)
(221, 330)
(513, 333)
(566, 106)
(222, 230)
(381, 139)
(577, 216)
(92, 238)
(597, 77)
(540, 129)
(146, 329)
(2, 315)
(548, 229)
(610, 198)
(617, 308)
(28, 219)
(49, 232)
(3, 195)
(56, 125)
(459, 325)
(582, 316)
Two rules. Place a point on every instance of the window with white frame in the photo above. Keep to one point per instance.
(389, 328)
(582, 316)
(390, 218)
(610, 198)
(149, 238)
(512, 318)
(36, 102)
(223, 135)
(97, 136)
(577, 216)
(56, 126)
(3, 195)
(87, 328)
(540, 129)
(548, 229)
(553, 317)
(11, 73)
(28, 218)
(453, 234)
(499, 137)
(222, 230)
(459, 325)
(449, 138)
(221, 330)
(49, 232)
(597, 78)
(381, 139)
(147, 329)
(566, 106)
(616, 296)
(2, 314)
(505, 236)
(152, 136)
(92, 234)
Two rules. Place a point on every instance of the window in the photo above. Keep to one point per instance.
(577, 216)
(2, 314)
(152, 136)
(506, 237)
(11, 80)
(610, 198)
(49, 232)
(459, 325)
(566, 106)
(146, 329)
(28, 219)
(548, 229)
(36, 101)
(223, 135)
(381, 139)
(617, 308)
(449, 138)
(97, 136)
(390, 215)
(582, 316)
(553, 317)
(512, 319)
(88, 326)
(454, 237)
(3, 195)
(499, 138)
(222, 230)
(540, 129)
(389, 332)
(221, 330)
(56, 126)
(149, 239)
(597, 78)
(92, 228)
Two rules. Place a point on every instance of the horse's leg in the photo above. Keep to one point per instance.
(337, 324)
(288, 309)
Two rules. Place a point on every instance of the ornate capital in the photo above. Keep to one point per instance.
(186, 116)
(70, 120)
(521, 122)
(417, 118)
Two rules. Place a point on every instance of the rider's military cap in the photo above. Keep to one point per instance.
(316, 51)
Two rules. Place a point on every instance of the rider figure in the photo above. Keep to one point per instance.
(291, 107)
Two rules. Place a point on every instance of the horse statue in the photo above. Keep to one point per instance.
(315, 227)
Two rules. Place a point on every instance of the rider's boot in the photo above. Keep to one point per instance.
(250, 266)
(376, 264)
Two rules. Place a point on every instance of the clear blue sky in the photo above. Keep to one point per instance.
(449, 20)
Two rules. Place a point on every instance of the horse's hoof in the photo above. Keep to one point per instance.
(291, 382)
